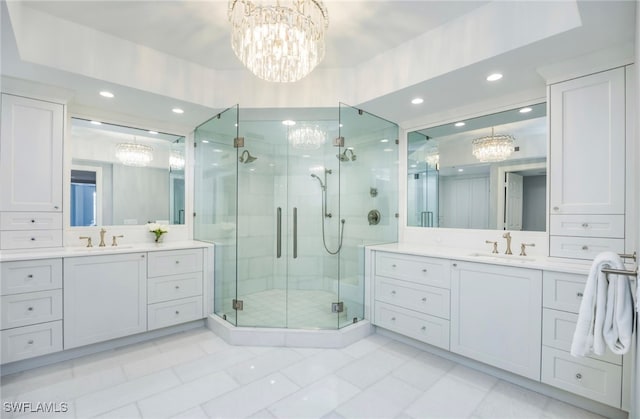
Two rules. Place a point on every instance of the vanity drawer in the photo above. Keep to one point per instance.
(557, 332)
(586, 225)
(563, 291)
(30, 221)
(422, 327)
(593, 379)
(30, 239)
(425, 299)
(583, 247)
(419, 269)
(31, 308)
(173, 262)
(174, 312)
(30, 275)
(29, 341)
(173, 287)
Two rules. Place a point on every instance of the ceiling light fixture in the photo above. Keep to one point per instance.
(494, 77)
(153, 132)
(307, 137)
(176, 160)
(288, 122)
(432, 157)
(417, 101)
(106, 94)
(96, 123)
(281, 42)
(460, 124)
(177, 110)
(493, 148)
(134, 154)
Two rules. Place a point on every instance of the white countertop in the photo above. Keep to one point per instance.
(473, 255)
(78, 251)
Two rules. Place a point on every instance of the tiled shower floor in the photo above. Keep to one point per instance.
(298, 309)
(195, 374)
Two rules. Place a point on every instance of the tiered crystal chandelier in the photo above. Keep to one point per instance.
(493, 148)
(307, 137)
(134, 154)
(279, 43)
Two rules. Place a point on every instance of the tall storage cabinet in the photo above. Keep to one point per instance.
(586, 163)
(31, 159)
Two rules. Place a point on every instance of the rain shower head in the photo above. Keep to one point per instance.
(343, 156)
(246, 157)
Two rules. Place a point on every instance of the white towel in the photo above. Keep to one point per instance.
(606, 310)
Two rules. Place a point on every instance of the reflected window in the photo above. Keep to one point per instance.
(84, 199)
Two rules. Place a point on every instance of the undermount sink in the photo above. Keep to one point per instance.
(99, 249)
(501, 257)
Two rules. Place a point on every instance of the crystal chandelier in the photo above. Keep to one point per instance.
(432, 157)
(176, 160)
(307, 137)
(282, 42)
(493, 148)
(133, 154)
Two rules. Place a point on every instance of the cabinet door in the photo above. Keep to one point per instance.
(587, 153)
(30, 155)
(105, 297)
(496, 316)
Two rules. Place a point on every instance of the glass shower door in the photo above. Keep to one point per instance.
(215, 203)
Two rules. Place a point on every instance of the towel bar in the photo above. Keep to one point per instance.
(628, 256)
(619, 271)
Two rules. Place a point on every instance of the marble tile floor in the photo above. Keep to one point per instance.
(195, 374)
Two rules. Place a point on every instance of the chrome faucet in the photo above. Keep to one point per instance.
(102, 231)
(507, 236)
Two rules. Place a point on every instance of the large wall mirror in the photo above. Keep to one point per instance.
(125, 176)
(488, 172)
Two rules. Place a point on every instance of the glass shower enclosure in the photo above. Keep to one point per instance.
(290, 204)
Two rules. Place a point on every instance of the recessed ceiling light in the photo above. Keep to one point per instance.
(288, 122)
(384, 140)
(413, 165)
(460, 170)
(205, 141)
(153, 132)
(460, 124)
(177, 110)
(106, 93)
(217, 150)
(306, 156)
(494, 77)
(96, 122)
(525, 110)
(417, 100)
(388, 149)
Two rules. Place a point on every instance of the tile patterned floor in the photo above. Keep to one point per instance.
(197, 375)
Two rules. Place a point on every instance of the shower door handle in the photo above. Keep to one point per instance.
(295, 232)
(279, 233)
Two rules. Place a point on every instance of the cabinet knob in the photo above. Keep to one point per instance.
(393, 292)
(423, 328)
(33, 221)
(455, 265)
(578, 376)
(177, 287)
(30, 342)
(30, 276)
(556, 208)
(30, 309)
(585, 225)
(393, 319)
(393, 266)
(424, 270)
(424, 299)
(56, 207)
(579, 294)
(585, 247)
(33, 239)
(177, 312)
(177, 262)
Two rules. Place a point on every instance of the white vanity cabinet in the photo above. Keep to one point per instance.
(174, 287)
(586, 163)
(31, 150)
(595, 377)
(31, 308)
(105, 297)
(496, 316)
(412, 297)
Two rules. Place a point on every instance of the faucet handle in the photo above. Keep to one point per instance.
(114, 242)
(88, 239)
(522, 248)
(495, 245)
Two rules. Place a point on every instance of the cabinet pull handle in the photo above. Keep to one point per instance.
(585, 225)
(30, 342)
(177, 262)
(423, 328)
(556, 208)
(578, 376)
(30, 276)
(424, 270)
(455, 265)
(56, 207)
(30, 309)
(177, 287)
(585, 247)
(424, 299)
(393, 319)
(279, 233)
(33, 239)
(177, 312)
(393, 292)
(579, 294)
(33, 221)
(393, 266)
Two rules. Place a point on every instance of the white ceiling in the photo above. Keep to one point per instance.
(360, 32)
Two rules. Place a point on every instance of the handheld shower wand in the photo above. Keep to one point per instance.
(325, 214)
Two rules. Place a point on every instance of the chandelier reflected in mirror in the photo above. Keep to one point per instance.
(281, 42)
(134, 154)
(493, 148)
(176, 160)
(307, 137)
(432, 157)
